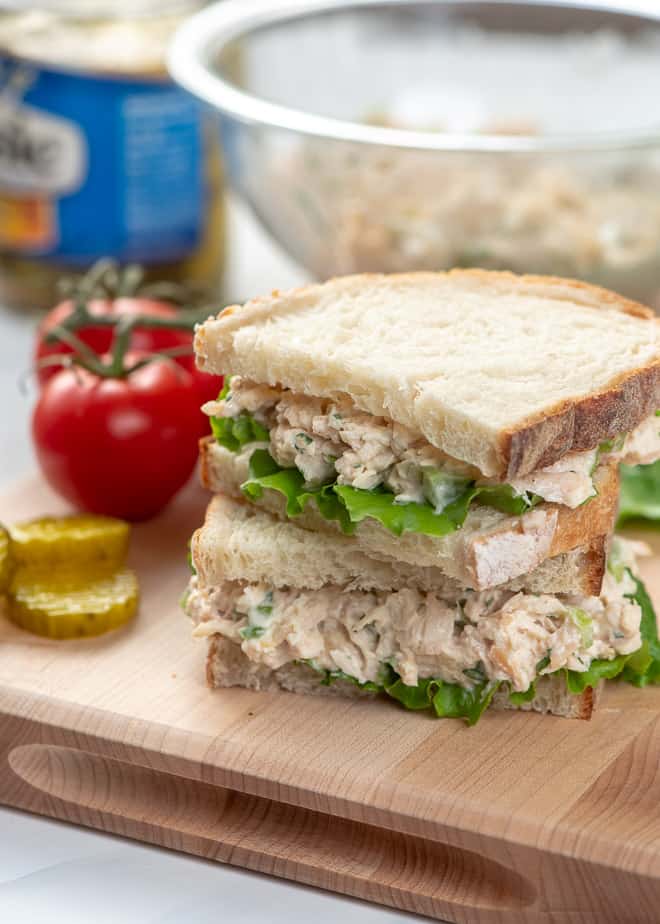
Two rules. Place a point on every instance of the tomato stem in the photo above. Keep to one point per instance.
(121, 343)
(169, 354)
(115, 367)
(106, 279)
(82, 317)
(129, 281)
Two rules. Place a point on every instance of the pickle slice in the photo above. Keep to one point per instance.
(65, 605)
(6, 559)
(74, 542)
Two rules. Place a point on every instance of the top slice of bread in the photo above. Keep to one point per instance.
(505, 372)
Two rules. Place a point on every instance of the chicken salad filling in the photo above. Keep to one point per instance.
(499, 636)
(332, 442)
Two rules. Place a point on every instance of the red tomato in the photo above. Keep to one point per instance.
(99, 339)
(119, 446)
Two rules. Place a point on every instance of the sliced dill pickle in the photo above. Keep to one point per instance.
(64, 605)
(6, 559)
(75, 542)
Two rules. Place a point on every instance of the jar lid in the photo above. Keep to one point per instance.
(94, 36)
(104, 9)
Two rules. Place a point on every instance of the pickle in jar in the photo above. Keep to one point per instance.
(64, 604)
(79, 542)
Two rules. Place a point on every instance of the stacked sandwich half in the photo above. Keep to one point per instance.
(416, 483)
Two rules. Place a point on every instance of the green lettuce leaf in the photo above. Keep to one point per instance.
(454, 701)
(266, 474)
(504, 498)
(349, 506)
(643, 666)
(446, 700)
(236, 432)
(419, 697)
(640, 493)
(398, 518)
(640, 668)
(526, 696)
(442, 488)
(578, 681)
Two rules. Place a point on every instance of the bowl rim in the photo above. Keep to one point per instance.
(209, 31)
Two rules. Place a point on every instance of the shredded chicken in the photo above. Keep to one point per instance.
(244, 395)
(324, 439)
(569, 481)
(395, 211)
(498, 634)
(642, 445)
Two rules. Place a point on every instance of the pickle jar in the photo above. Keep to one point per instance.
(101, 155)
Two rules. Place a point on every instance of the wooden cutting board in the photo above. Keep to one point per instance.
(524, 818)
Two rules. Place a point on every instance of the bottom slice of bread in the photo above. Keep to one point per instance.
(227, 666)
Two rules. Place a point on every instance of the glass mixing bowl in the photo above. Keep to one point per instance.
(381, 135)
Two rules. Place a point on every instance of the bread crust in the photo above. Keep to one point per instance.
(593, 565)
(596, 517)
(575, 426)
(572, 425)
(227, 666)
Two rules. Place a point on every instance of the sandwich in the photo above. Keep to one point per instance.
(458, 432)
(469, 421)
(284, 608)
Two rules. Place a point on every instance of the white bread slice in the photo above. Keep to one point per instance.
(505, 372)
(240, 542)
(227, 666)
(490, 549)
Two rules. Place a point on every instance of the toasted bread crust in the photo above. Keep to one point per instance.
(594, 557)
(596, 517)
(588, 701)
(572, 425)
(578, 425)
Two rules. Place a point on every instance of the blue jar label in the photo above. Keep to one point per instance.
(95, 166)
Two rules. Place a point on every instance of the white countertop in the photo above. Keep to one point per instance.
(58, 873)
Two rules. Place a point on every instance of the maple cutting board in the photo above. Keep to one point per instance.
(524, 818)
